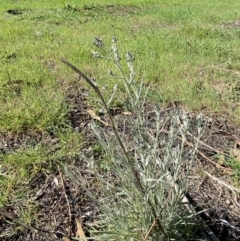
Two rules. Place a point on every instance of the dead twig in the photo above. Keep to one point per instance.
(233, 189)
(155, 221)
(204, 156)
(68, 204)
(209, 147)
(214, 163)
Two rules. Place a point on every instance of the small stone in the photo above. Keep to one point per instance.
(228, 202)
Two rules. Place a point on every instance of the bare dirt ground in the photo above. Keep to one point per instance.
(62, 204)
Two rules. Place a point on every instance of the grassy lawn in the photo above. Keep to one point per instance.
(187, 50)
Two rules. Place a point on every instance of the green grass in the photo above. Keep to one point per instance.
(19, 167)
(188, 51)
(172, 42)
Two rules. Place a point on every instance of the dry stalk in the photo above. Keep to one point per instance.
(233, 189)
(204, 156)
(68, 204)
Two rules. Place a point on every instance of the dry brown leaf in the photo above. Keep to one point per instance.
(127, 113)
(80, 232)
(94, 116)
(91, 113)
(65, 239)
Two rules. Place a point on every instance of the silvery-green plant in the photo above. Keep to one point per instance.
(141, 197)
